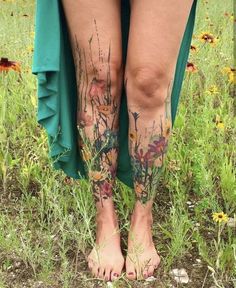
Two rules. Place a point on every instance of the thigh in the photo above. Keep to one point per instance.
(95, 33)
(156, 31)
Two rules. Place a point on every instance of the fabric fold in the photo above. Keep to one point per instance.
(56, 90)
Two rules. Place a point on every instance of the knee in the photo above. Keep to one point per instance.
(148, 85)
(107, 77)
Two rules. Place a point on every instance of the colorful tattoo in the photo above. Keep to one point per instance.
(97, 120)
(147, 161)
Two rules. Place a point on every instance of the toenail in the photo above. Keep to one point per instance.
(115, 274)
(130, 273)
(145, 275)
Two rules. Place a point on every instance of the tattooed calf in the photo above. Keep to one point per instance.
(96, 120)
(147, 161)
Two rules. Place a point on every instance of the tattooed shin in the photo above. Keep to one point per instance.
(97, 120)
(147, 159)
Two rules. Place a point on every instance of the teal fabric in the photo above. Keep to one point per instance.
(57, 96)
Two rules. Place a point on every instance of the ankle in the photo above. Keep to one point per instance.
(106, 213)
(106, 217)
(142, 212)
(137, 218)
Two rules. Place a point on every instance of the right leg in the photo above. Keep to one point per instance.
(95, 34)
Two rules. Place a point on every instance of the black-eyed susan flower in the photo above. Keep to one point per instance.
(220, 217)
(207, 37)
(6, 65)
(193, 48)
(231, 73)
(220, 125)
(190, 67)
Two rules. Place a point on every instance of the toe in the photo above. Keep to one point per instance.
(131, 273)
(151, 270)
(145, 272)
(130, 269)
(95, 270)
(101, 272)
(114, 275)
(107, 274)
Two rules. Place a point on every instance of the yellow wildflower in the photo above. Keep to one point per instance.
(190, 67)
(231, 73)
(220, 125)
(213, 89)
(220, 217)
(207, 37)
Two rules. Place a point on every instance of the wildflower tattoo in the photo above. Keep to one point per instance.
(97, 119)
(147, 162)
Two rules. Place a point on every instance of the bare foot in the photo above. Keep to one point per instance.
(142, 257)
(106, 260)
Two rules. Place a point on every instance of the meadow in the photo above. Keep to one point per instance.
(47, 219)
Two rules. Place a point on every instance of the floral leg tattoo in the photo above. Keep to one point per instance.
(147, 160)
(97, 120)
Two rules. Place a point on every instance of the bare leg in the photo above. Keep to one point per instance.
(156, 31)
(96, 41)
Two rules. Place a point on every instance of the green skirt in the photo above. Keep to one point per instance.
(57, 90)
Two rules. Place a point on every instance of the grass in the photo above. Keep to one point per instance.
(47, 223)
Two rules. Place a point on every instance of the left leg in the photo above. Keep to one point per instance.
(156, 30)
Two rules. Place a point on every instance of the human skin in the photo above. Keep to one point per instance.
(156, 30)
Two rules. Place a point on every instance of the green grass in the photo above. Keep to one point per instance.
(47, 225)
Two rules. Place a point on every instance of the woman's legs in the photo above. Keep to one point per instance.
(156, 31)
(95, 33)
